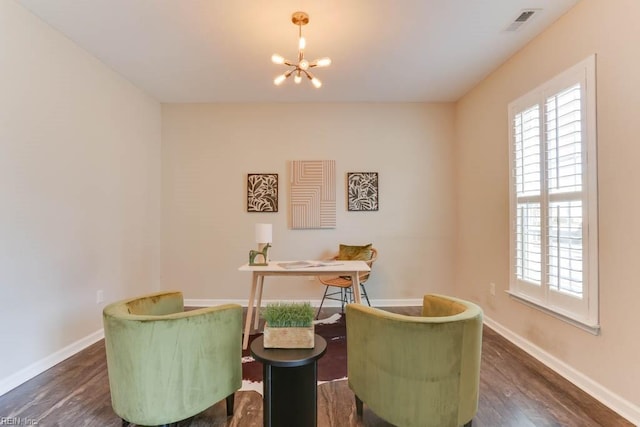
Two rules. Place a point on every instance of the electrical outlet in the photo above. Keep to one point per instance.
(99, 296)
(492, 289)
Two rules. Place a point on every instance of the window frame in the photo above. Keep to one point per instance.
(584, 312)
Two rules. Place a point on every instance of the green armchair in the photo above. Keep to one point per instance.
(416, 370)
(166, 364)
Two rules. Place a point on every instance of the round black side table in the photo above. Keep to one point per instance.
(290, 396)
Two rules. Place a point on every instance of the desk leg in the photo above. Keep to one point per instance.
(247, 323)
(259, 305)
(355, 284)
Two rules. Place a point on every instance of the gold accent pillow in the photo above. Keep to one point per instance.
(355, 253)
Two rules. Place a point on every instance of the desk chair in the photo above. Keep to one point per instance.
(344, 291)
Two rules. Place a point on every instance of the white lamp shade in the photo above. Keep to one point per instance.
(263, 233)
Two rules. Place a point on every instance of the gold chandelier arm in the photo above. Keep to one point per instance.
(316, 83)
(278, 59)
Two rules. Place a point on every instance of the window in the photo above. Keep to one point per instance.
(553, 197)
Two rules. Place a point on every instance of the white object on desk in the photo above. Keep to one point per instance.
(289, 265)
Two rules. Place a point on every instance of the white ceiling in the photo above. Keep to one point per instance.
(219, 51)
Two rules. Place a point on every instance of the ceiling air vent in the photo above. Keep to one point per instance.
(524, 16)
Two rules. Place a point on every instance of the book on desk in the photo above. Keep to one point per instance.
(291, 265)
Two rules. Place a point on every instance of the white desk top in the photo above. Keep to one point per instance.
(308, 266)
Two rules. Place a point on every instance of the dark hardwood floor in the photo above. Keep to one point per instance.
(515, 390)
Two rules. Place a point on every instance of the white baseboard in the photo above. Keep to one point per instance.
(14, 380)
(618, 404)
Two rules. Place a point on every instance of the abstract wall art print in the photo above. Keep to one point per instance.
(362, 191)
(313, 194)
(262, 192)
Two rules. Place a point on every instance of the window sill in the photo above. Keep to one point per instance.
(591, 328)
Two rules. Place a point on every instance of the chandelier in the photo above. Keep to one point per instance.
(300, 68)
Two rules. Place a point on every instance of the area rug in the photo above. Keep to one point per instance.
(331, 367)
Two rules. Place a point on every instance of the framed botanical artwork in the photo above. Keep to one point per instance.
(362, 191)
(262, 192)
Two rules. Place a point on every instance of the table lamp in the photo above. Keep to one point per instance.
(263, 239)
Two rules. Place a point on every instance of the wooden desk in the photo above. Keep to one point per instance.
(339, 268)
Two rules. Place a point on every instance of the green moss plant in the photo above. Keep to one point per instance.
(288, 315)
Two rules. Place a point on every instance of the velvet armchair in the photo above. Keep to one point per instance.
(416, 370)
(166, 364)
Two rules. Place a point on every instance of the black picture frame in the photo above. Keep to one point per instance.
(362, 191)
(262, 192)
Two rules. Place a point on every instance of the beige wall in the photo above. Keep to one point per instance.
(79, 191)
(207, 233)
(610, 30)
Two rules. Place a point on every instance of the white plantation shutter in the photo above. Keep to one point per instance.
(529, 254)
(564, 185)
(564, 268)
(553, 197)
(527, 152)
(526, 135)
(564, 141)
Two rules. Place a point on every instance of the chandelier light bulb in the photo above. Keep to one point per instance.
(323, 62)
(277, 59)
(317, 83)
(304, 65)
(302, 43)
(297, 78)
(278, 80)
